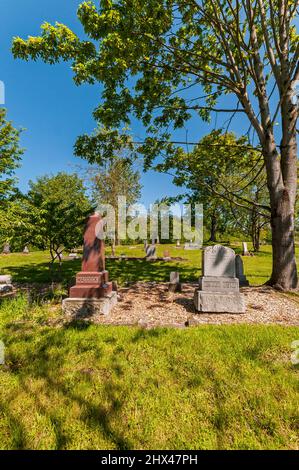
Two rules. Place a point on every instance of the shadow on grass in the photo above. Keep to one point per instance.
(122, 271)
(49, 361)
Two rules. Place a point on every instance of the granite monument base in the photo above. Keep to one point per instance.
(219, 302)
(76, 308)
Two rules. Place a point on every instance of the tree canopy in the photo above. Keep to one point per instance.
(149, 55)
(10, 154)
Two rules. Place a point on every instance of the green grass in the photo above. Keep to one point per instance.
(35, 266)
(94, 387)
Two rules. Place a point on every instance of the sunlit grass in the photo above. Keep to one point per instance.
(97, 387)
(35, 266)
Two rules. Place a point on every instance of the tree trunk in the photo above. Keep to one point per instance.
(255, 237)
(282, 185)
(284, 269)
(213, 236)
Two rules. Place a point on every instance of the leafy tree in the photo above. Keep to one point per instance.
(57, 207)
(228, 179)
(115, 178)
(10, 155)
(149, 53)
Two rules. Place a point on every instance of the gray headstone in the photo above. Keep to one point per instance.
(192, 246)
(240, 272)
(174, 277)
(219, 260)
(151, 251)
(6, 249)
(174, 284)
(26, 250)
(218, 290)
(5, 288)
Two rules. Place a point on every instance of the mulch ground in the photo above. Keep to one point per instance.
(150, 305)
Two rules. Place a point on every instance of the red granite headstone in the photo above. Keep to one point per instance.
(93, 280)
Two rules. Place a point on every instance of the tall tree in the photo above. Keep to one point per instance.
(245, 48)
(10, 154)
(57, 208)
(228, 178)
(116, 178)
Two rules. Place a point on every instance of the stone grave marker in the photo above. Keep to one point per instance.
(243, 282)
(174, 284)
(151, 251)
(26, 250)
(5, 284)
(93, 293)
(218, 289)
(245, 249)
(6, 249)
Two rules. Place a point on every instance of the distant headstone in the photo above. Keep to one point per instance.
(192, 246)
(174, 284)
(151, 251)
(26, 250)
(5, 279)
(73, 255)
(6, 249)
(218, 290)
(245, 249)
(166, 255)
(178, 243)
(243, 282)
(5, 284)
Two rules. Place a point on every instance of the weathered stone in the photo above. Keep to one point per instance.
(218, 290)
(175, 277)
(174, 284)
(26, 250)
(243, 282)
(6, 249)
(218, 302)
(6, 279)
(85, 308)
(73, 256)
(192, 246)
(5, 288)
(151, 251)
(174, 287)
(245, 249)
(218, 260)
(92, 283)
(219, 284)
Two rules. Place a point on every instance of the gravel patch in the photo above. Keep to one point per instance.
(150, 305)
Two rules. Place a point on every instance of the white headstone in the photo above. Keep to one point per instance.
(245, 248)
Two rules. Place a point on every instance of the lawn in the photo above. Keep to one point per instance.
(94, 387)
(83, 386)
(35, 266)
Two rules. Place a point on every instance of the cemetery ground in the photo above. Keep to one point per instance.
(87, 386)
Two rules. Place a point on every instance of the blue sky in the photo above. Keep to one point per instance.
(44, 100)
